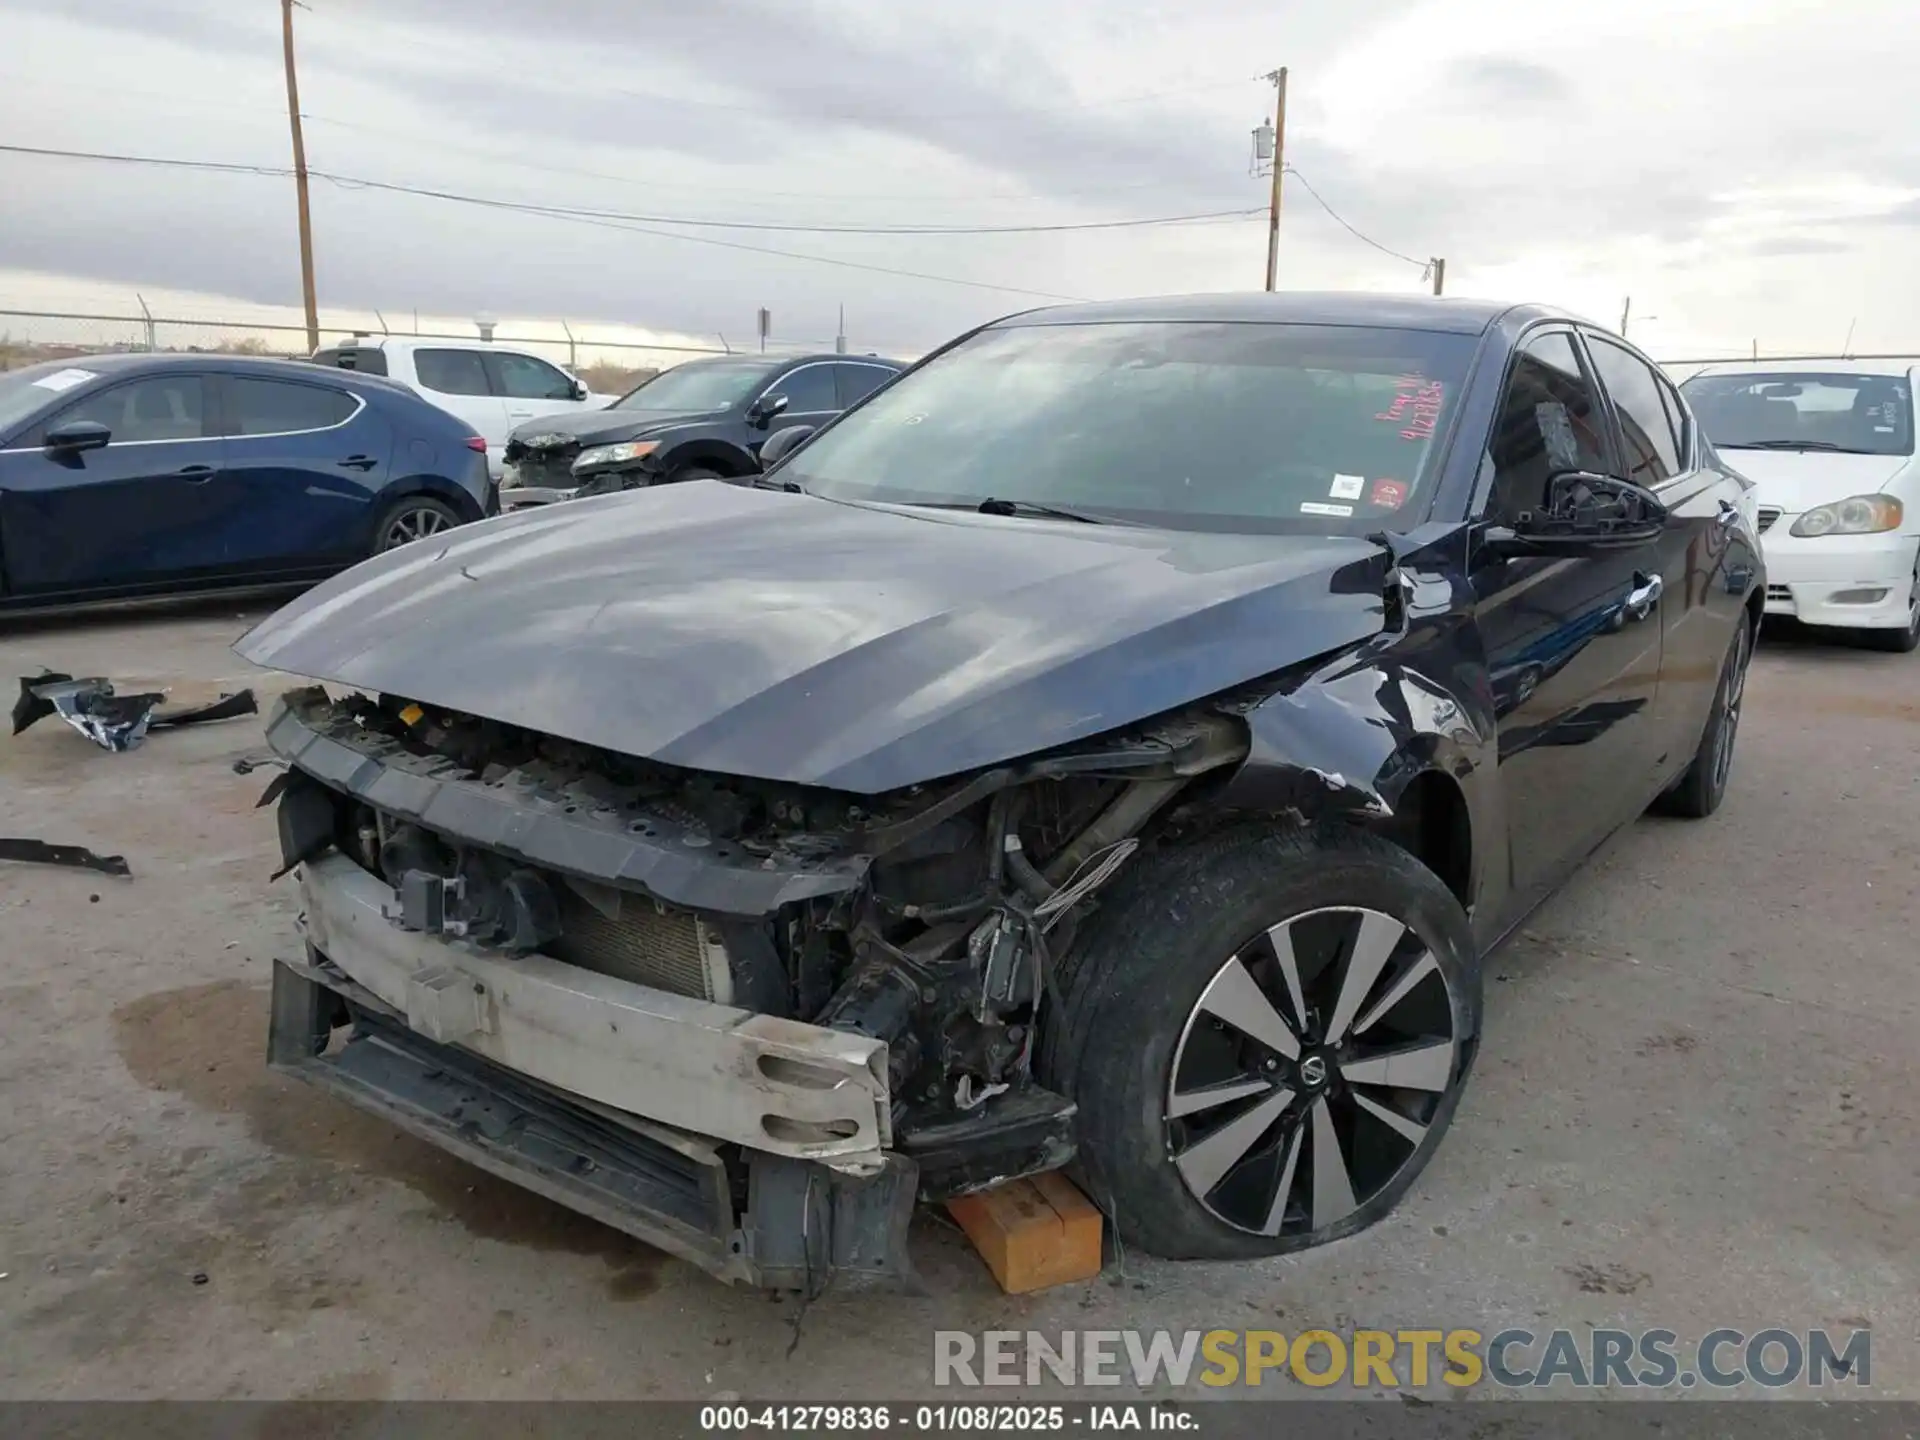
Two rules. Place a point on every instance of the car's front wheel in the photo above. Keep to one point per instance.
(1902, 642)
(1267, 1035)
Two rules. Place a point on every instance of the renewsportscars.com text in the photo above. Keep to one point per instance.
(1516, 1359)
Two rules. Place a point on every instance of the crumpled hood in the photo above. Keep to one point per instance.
(755, 633)
(1797, 480)
(602, 427)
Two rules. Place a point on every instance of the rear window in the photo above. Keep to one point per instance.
(278, 407)
(452, 372)
(359, 358)
(1855, 414)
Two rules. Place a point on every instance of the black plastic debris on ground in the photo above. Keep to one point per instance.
(111, 721)
(74, 857)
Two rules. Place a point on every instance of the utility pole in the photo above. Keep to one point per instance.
(1279, 79)
(300, 181)
(1438, 265)
(1626, 309)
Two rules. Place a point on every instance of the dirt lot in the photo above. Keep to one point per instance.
(1695, 1108)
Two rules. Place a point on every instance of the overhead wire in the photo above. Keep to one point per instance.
(692, 222)
(1424, 266)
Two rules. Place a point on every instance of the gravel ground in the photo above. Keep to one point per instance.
(1694, 1109)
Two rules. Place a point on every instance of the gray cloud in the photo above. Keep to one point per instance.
(817, 96)
(1504, 80)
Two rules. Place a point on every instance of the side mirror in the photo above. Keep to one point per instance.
(77, 435)
(580, 391)
(766, 407)
(784, 444)
(1584, 512)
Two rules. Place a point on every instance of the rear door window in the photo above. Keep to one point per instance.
(859, 381)
(452, 372)
(1652, 449)
(284, 407)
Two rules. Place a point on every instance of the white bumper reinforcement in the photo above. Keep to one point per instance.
(771, 1084)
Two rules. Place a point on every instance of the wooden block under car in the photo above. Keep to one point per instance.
(1032, 1233)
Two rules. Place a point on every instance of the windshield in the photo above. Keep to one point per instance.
(698, 385)
(23, 393)
(1310, 429)
(1860, 414)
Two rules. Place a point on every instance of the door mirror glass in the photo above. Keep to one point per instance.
(766, 407)
(784, 444)
(78, 435)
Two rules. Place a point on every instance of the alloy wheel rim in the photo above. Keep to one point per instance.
(1913, 599)
(1311, 1071)
(411, 525)
(1732, 691)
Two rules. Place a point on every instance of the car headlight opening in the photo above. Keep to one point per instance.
(1856, 515)
(615, 454)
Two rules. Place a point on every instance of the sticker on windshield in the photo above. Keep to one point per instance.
(65, 379)
(1347, 487)
(1314, 507)
(1415, 408)
(1388, 494)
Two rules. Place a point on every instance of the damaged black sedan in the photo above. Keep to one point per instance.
(1115, 743)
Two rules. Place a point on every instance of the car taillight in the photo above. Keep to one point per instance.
(477, 442)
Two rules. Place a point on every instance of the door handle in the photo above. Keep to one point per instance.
(1644, 595)
(195, 474)
(1729, 512)
(358, 462)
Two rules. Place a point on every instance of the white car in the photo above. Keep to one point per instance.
(1829, 444)
(491, 387)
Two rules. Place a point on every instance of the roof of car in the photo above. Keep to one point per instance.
(1876, 366)
(1398, 312)
(140, 360)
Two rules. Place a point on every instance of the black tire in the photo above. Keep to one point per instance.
(1157, 949)
(1901, 642)
(1703, 784)
(413, 517)
(694, 472)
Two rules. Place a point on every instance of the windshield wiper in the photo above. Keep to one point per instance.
(1798, 445)
(766, 482)
(994, 506)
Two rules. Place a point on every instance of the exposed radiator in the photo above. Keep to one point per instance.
(642, 942)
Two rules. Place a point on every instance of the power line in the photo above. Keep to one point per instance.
(1424, 266)
(692, 222)
(281, 172)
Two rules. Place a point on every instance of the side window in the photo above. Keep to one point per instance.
(1676, 417)
(809, 390)
(859, 381)
(1652, 453)
(166, 407)
(279, 407)
(452, 372)
(524, 378)
(1549, 422)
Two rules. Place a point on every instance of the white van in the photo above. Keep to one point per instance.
(491, 387)
(1829, 444)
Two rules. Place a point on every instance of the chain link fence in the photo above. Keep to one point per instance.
(606, 362)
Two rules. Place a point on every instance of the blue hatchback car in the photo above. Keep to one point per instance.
(125, 476)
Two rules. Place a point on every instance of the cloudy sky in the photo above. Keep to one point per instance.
(1745, 169)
